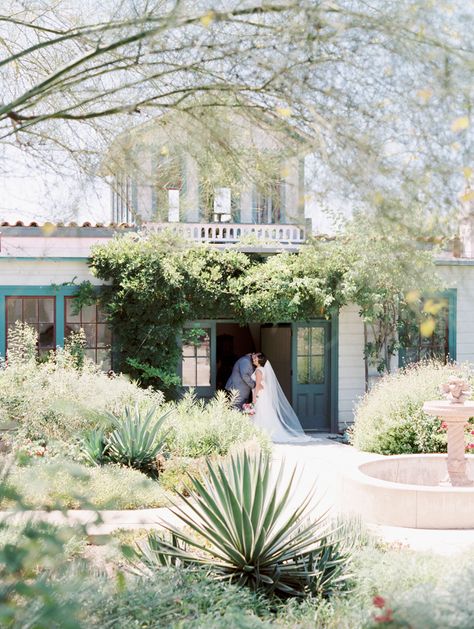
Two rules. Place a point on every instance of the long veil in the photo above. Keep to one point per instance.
(282, 408)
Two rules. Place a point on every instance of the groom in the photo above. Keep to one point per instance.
(241, 378)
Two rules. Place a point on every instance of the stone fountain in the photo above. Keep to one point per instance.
(429, 491)
(455, 412)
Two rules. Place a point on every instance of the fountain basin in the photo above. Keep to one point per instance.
(404, 491)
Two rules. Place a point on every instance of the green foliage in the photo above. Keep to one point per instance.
(94, 446)
(74, 346)
(390, 420)
(136, 440)
(85, 295)
(62, 484)
(56, 401)
(175, 476)
(157, 283)
(200, 429)
(241, 511)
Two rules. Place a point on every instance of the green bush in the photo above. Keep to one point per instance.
(55, 400)
(201, 429)
(175, 475)
(390, 420)
(63, 484)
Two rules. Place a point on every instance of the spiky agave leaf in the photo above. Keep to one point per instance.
(136, 440)
(250, 535)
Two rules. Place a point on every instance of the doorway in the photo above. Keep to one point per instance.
(303, 356)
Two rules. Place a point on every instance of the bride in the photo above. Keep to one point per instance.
(273, 412)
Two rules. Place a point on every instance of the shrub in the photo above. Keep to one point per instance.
(390, 420)
(56, 400)
(70, 485)
(251, 536)
(175, 476)
(202, 429)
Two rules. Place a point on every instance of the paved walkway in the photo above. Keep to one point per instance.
(321, 463)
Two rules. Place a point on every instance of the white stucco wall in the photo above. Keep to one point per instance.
(351, 362)
(44, 272)
(459, 274)
(44, 246)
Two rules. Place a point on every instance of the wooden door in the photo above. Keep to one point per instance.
(311, 374)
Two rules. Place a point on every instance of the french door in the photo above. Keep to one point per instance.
(311, 358)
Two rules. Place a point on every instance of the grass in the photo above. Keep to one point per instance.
(62, 484)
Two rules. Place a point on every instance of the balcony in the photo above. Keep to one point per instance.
(231, 233)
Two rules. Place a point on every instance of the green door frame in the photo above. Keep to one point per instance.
(203, 323)
(333, 354)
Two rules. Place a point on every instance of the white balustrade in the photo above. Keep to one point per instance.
(232, 232)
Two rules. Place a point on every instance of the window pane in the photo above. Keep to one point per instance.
(189, 350)
(203, 377)
(70, 317)
(46, 335)
(46, 310)
(90, 332)
(303, 341)
(189, 371)
(90, 353)
(317, 341)
(30, 309)
(302, 369)
(104, 335)
(317, 369)
(101, 315)
(104, 359)
(89, 314)
(71, 327)
(14, 310)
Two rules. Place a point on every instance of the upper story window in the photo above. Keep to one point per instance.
(267, 203)
(169, 186)
(37, 312)
(122, 202)
(98, 334)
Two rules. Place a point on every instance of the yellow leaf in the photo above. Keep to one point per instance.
(427, 327)
(164, 151)
(207, 18)
(460, 124)
(467, 172)
(467, 196)
(48, 229)
(425, 94)
(433, 306)
(412, 296)
(283, 112)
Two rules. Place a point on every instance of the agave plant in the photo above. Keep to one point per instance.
(247, 533)
(136, 440)
(94, 446)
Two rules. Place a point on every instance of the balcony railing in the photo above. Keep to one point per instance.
(233, 232)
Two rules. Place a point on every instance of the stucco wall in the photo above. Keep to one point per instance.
(44, 272)
(351, 362)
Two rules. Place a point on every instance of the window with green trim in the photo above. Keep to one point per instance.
(424, 330)
(37, 312)
(98, 334)
(196, 361)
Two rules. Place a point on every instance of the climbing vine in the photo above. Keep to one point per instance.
(156, 284)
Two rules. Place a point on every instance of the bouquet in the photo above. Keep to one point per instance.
(248, 409)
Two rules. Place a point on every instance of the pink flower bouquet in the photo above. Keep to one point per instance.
(248, 409)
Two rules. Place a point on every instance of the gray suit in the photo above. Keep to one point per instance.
(241, 379)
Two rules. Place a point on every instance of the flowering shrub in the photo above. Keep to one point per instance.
(55, 400)
(213, 428)
(390, 420)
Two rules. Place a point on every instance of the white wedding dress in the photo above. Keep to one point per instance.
(273, 412)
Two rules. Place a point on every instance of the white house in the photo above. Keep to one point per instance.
(319, 363)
